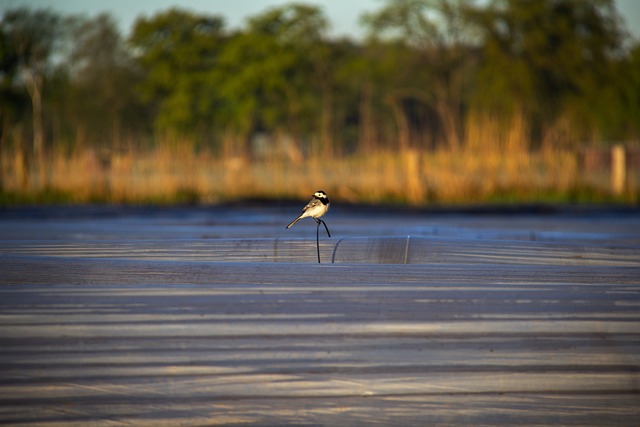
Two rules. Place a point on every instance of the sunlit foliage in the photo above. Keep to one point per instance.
(455, 75)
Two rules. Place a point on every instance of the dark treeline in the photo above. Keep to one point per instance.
(450, 74)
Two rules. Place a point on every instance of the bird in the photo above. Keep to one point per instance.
(317, 207)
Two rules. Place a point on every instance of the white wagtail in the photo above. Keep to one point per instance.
(317, 207)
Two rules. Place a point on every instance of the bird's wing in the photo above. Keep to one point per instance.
(311, 204)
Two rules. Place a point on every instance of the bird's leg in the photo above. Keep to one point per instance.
(318, 221)
(325, 227)
(318, 238)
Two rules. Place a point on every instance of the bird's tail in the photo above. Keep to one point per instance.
(294, 221)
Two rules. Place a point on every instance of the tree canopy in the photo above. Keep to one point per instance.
(566, 68)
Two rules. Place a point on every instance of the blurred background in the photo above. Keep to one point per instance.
(411, 102)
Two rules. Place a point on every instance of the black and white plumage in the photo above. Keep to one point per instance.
(317, 207)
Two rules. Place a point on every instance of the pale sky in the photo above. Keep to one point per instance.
(343, 15)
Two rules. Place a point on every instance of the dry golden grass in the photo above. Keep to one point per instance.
(495, 165)
(175, 174)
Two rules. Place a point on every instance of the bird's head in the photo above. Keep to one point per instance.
(320, 195)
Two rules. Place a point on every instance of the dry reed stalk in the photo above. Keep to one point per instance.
(169, 173)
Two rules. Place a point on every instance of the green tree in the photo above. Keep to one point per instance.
(8, 73)
(630, 94)
(437, 34)
(177, 49)
(102, 75)
(13, 103)
(272, 75)
(548, 58)
(31, 39)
